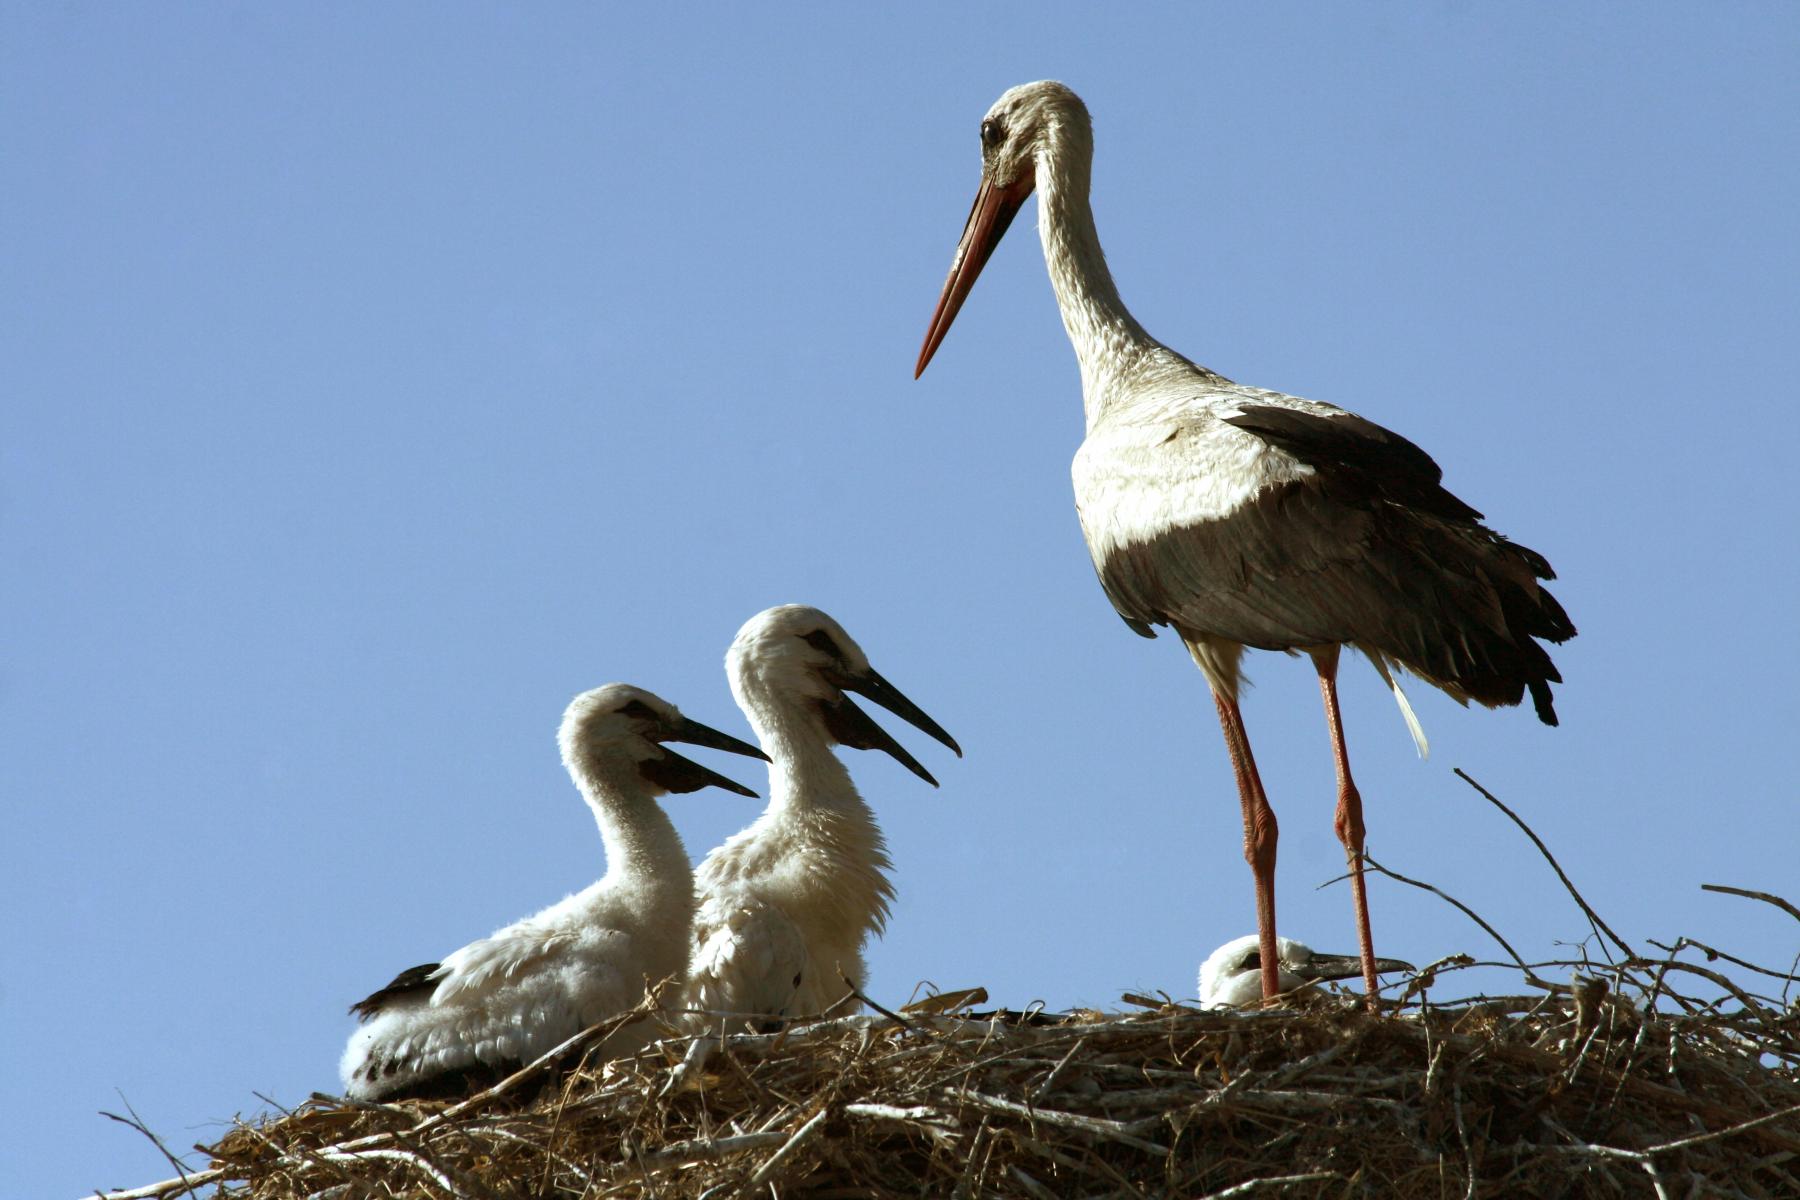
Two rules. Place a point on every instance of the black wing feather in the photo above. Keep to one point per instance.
(1371, 550)
(1379, 460)
(409, 982)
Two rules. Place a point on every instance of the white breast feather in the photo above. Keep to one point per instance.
(793, 894)
(1154, 466)
(748, 957)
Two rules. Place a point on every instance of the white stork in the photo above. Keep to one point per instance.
(1247, 518)
(1231, 977)
(444, 1028)
(786, 904)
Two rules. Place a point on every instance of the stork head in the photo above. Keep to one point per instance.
(617, 732)
(797, 656)
(1022, 127)
(1232, 976)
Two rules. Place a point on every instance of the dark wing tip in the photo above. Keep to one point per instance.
(1542, 702)
(407, 982)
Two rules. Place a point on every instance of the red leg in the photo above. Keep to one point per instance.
(1260, 834)
(1349, 821)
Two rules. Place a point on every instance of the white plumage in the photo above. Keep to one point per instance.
(495, 1004)
(1231, 977)
(786, 904)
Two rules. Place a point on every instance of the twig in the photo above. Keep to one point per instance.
(894, 1112)
(1747, 1000)
(551, 1158)
(699, 1150)
(187, 1182)
(168, 1187)
(1098, 1126)
(1252, 1186)
(139, 1124)
(1684, 1143)
(1044, 1085)
(1032, 1186)
(1765, 897)
(974, 1165)
(416, 1161)
(1712, 953)
(1593, 917)
(888, 1013)
(1462, 1136)
(763, 1173)
(1466, 910)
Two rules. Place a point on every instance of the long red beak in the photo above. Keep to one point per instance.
(994, 210)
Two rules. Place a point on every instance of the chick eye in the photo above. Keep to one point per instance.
(818, 639)
(992, 133)
(638, 710)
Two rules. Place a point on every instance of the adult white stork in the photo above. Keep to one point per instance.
(1247, 518)
(443, 1028)
(1231, 976)
(786, 904)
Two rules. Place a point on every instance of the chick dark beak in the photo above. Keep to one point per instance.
(694, 733)
(874, 687)
(675, 773)
(1342, 966)
(853, 727)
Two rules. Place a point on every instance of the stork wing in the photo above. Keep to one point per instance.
(480, 967)
(1283, 529)
(1379, 461)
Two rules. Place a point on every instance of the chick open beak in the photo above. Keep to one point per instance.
(675, 773)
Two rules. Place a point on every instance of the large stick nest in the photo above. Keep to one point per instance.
(1618, 1086)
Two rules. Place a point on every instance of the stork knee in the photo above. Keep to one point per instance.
(1260, 835)
(1349, 822)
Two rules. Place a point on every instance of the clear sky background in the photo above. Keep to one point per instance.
(376, 379)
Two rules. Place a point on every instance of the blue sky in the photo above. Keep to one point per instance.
(378, 379)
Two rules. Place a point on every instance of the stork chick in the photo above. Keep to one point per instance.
(445, 1028)
(786, 904)
(1232, 976)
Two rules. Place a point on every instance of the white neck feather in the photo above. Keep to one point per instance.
(816, 812)
(805, 773)
(1107, 338)
(641, 843)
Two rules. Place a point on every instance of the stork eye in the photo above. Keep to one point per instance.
(638, 710)
(992, 133)
(818, 639)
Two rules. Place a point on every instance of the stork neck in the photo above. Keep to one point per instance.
(1106, 337)
(805, 772)
(640, 841)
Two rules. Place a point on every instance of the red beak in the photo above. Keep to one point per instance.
(993, 211)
